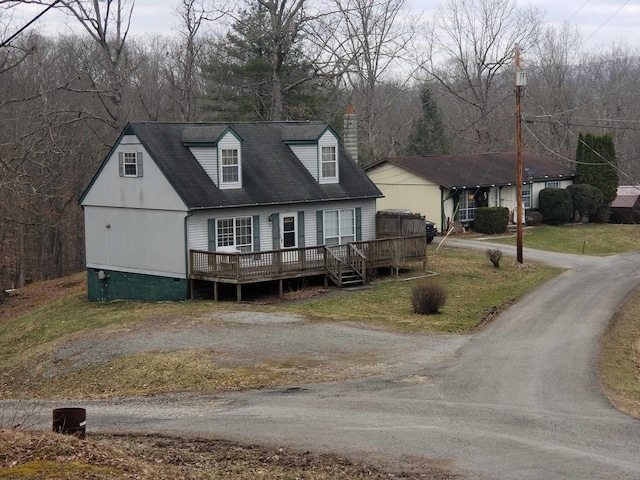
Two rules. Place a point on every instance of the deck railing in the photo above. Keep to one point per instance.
(257, 265)
(272, 264)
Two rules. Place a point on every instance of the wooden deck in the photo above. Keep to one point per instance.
(343, 264)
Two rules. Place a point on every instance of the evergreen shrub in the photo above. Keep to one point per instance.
(491, 220)
(586, 199)
(555, 206)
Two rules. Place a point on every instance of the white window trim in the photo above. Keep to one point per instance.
(137, 163)
(469, 212)
(527, 190)
(341, 235)
(556, 182)
(238, 166)
(245, 247)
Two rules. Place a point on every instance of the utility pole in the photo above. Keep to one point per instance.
(520, 83)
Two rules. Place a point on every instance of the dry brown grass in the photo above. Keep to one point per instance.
(620, 357)
(36, 295)
(53, 456)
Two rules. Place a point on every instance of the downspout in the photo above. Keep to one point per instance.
(186, 252)
(442, 216)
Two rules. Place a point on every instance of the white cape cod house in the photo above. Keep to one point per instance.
(169, 195)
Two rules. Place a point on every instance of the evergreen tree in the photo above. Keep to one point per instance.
(427, 136)
(240, 70)
(596, 164)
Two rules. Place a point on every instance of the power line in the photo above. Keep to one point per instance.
(29, 23)
(605, 161)
(605, 22)
(577, 11)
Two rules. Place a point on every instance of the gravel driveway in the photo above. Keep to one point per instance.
(249, 337)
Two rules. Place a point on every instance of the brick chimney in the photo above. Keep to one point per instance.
(351, 132)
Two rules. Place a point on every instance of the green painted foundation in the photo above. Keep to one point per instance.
(116, 285)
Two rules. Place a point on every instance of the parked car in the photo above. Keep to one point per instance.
(431, 231)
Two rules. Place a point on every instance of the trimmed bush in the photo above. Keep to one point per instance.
(491, 220)
(427, 298)
(586, 200)
(555, 206)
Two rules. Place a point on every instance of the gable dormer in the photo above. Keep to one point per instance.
(316, 146)
(218, 148)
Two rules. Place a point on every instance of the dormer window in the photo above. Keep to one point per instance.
(329, 162)
(230, 165)
(218, 149)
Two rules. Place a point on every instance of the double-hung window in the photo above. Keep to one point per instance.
(467, 207)
(339, 226)
(526, 195)
(230, 165)
(235, 232)
(130, 164)
(329, 162)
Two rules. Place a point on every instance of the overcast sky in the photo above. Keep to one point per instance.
(600, 22)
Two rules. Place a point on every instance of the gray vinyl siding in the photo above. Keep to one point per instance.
(152, 190)
(208, 158)
(308, 155)
(198, 232)
(150, 242)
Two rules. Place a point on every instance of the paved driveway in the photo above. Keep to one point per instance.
(519, 400)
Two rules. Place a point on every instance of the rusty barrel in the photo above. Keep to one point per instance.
(70, 421)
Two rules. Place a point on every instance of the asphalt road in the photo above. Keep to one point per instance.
(519, 400)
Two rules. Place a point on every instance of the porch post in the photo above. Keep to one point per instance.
(280, 288)
(239, 292)
(215, 291)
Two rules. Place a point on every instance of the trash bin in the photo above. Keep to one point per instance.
(70, 421)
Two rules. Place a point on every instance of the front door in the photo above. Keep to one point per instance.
(288, 231)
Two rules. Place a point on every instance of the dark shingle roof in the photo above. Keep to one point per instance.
(486, 169)
(271, 173)
(302, 132)
(202, 133)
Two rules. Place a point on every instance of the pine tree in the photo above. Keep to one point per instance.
(240, 71)
(427, 136)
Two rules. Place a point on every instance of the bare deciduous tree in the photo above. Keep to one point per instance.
(371, 38)
(471, 43)
(185, 57)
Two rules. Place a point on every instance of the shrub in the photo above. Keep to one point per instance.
(427, 298)
(495, 256)
(491, 220)
(602, 214)
(586, 200)
(555, 205)
(533, 218)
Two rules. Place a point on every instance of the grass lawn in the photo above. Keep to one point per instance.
(475, 290)
(620, 357)
(588, 238)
